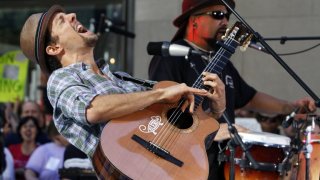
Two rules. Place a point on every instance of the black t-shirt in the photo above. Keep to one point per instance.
(178, 69)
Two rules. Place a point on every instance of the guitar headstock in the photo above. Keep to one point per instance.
(239, 33)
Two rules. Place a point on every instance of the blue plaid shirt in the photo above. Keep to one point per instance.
(71, 90)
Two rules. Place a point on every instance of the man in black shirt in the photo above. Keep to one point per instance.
(200, 25)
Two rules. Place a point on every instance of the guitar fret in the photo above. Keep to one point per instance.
(198, 100)
(216, 65)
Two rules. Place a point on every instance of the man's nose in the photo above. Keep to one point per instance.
(71, 17)
(225, 21)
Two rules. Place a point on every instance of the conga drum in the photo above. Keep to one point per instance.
(314, 160)
(265, 148)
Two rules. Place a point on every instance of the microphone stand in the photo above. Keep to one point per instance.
(236, 140)
(259, 38)
(283, 39)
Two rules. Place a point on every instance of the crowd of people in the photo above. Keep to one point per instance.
(33, 148)
(85, 95)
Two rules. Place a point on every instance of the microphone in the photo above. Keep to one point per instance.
(300, 118)
(255, 46)
(289, 118)
(258, 47)
(166, 49)
(106, 25)
(295, 116)
(112, 28)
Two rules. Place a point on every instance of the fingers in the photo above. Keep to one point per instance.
(173, 94)
(217, 92)
(214, 82)
(189, 101)
(210, 79)
(306, 103)
(190, 90)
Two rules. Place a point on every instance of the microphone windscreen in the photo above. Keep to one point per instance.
(154, 48)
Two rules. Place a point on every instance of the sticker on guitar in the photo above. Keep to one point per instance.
(153, 125)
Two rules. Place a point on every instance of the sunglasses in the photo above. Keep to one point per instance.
(218, 15)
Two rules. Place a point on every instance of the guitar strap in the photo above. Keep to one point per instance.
(126, 77)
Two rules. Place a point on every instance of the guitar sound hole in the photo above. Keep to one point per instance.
(184, 121)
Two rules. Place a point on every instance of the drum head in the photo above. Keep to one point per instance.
(265, 139)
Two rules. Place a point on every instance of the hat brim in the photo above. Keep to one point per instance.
(180, 32)
(40, 37)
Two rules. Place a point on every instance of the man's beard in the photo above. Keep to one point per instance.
(212, 43)
(90, 41)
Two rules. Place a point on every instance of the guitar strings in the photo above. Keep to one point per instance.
(197, 83)
(178, 112)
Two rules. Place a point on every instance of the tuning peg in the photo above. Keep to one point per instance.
(246, 42)
(224, 37)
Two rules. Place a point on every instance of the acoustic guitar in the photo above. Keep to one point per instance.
(161, 141)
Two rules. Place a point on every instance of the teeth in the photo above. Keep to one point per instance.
(79, 28)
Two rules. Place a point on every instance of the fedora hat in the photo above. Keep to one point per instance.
(191, 6)
(33, 36)
(188, 8)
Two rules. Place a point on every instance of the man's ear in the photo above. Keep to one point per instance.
(53, 49)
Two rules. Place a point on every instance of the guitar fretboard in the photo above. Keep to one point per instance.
(216, 65)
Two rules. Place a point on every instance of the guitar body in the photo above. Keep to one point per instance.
(151, 144)
(185, 143)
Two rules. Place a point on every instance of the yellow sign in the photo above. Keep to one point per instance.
(13, 76)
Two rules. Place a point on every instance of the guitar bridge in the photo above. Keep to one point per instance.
(157, 150)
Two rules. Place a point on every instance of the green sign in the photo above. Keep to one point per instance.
(13, 76)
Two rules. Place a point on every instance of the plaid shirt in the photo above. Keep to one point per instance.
(71, 90)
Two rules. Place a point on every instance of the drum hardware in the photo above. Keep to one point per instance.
(244, 163)
(271, 152)
(305, 165)
(282, 167)
(307, 149)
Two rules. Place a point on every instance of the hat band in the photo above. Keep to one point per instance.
(37, 37)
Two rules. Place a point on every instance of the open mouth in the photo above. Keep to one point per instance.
(81, 29)
(222, 31)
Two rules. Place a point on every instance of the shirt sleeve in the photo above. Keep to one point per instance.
(68, 94)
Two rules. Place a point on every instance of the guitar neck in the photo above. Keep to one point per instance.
(216, 65)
